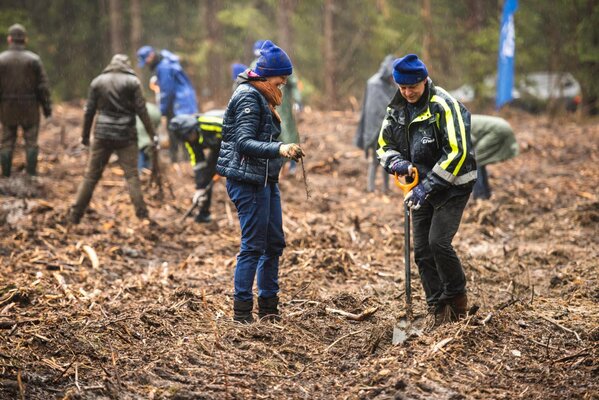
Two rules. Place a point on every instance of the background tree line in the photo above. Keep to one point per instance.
(335, 45)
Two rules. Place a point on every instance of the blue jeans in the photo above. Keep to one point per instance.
(440, 269)
(262, 239)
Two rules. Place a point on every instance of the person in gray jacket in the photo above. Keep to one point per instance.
(380, 89)
(116, 96)
(23, 90)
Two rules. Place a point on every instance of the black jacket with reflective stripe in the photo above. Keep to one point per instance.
(209, 129)
(435, 138)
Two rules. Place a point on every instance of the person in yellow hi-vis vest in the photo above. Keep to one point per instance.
(201, 134)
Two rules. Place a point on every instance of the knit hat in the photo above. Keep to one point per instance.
(257, 46)
(409, 70)
(17, 32)
(237, 69)
(273, 61)
(142, 54)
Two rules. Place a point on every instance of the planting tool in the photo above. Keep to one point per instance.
(405, 328)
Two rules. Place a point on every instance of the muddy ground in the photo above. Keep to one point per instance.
(153, 320)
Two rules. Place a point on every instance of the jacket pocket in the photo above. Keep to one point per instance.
(424, 147)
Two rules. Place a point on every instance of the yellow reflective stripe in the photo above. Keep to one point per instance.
(211, 128)
(380, 151)
(456, 106)
(210, 119)
(192, 154)
(453, 142)
(424, 116)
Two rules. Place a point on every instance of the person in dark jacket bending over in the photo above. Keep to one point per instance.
(251, 158)
(201, 134)
(427, 129)
(116, 96)
(23, 89)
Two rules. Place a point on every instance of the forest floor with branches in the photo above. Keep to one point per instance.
(152, 318)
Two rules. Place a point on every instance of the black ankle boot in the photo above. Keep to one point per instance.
(243, 311)
(269, 308)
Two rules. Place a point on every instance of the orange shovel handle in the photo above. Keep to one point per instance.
(406, 187)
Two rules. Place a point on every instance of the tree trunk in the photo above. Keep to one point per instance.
(136, 26)
(329, 55)
(284, 12)
(427, 35)
(116, 27)
(475, 18)
(215, 62)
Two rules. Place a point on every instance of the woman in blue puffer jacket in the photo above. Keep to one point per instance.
(251, 158)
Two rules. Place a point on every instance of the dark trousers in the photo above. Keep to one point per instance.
(374, 166)
(481, 189)
(100, 153)
(204, 172)
(262, 239)
(439, 267)
(7, 146)
(9, 136)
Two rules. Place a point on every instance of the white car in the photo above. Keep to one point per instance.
(533, 92)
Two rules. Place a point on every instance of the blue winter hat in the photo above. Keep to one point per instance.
(142, 54)
(273, 61)
(237, 69)
(409, 70)
(257, 46)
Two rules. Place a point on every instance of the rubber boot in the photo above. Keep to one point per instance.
(269, 308)
(243, 311)
(31, 156)
(6, 161)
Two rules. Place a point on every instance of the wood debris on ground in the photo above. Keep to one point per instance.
(112, 308)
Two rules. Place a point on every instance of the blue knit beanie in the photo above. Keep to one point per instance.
(257, 46)
(409, 70)
(273, 61)
(237, 69)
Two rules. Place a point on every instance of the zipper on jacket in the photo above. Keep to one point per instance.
(267, 160)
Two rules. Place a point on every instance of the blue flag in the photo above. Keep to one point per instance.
(507, 49)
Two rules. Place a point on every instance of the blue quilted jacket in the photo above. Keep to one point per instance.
(249, 151)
